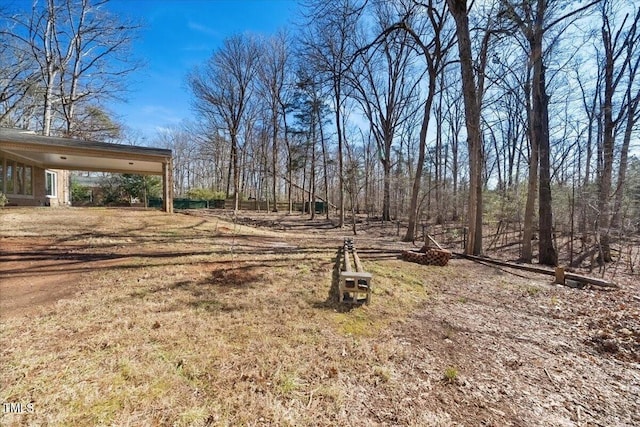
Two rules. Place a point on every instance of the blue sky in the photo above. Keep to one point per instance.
(178, 35)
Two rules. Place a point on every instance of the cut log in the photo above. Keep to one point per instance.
(540, 270)
(428, 256)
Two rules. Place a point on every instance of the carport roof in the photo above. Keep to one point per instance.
(51, 152)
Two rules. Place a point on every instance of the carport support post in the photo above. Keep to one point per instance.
(167, 186)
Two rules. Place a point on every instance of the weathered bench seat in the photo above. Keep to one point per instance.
(355, 285)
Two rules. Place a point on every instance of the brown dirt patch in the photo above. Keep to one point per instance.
(37, 272)
(29, 278)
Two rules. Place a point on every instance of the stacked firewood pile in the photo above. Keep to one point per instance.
(428, 256)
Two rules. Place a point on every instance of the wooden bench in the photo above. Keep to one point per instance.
(353, 283)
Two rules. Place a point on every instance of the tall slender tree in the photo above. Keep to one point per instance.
(328, 44)
(273, 74)
(620, 59)
(535, 20)
(78, 50)
(386, 86)
(223, 87)
(459, 11)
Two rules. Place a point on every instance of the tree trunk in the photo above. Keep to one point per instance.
(231, 160)
(631, 42)
(274, 159)
(582, 225)
(540, 123)
(386, 191)
(608, 142)
(48, 107)
(454, 169)
(289, 159)
(312, 175)
(458, 9)
(324, 165)
(547, 254)
(290, 189)
(527, 235)
(417, 180)
(338, 98)
(236, 174)
(624, 160)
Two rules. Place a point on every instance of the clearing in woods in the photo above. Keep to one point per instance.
(126, 317)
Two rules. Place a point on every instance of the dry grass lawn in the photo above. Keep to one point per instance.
(194, 320)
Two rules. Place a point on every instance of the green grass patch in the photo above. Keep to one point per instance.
(450, 375)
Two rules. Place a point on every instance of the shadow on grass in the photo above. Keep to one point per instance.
(80, 259)
(333, 298)
(294, 223)
(240, 278)
(209, 293)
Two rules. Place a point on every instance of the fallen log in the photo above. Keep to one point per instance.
(559, 273)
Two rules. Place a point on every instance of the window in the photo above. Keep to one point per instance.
(9, 183)
(28, 180)
(16, 178)
(51, 184)
(19, 178)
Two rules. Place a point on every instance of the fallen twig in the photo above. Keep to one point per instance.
(374, 413)
(550, 378)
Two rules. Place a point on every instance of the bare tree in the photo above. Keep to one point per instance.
(185, 159)
(621, 58)
(327, 44)
(589, 94)
(273, 75)
(96, 48)
(222, 88)
(79, 52)
(535, 20)
(453, 117)
(310, 111)
(386, 88)
(18, 82)
(472, 94)
(42, 27)
(434, 51)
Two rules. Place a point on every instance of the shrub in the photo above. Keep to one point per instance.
(205, 194)
(80, 193)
